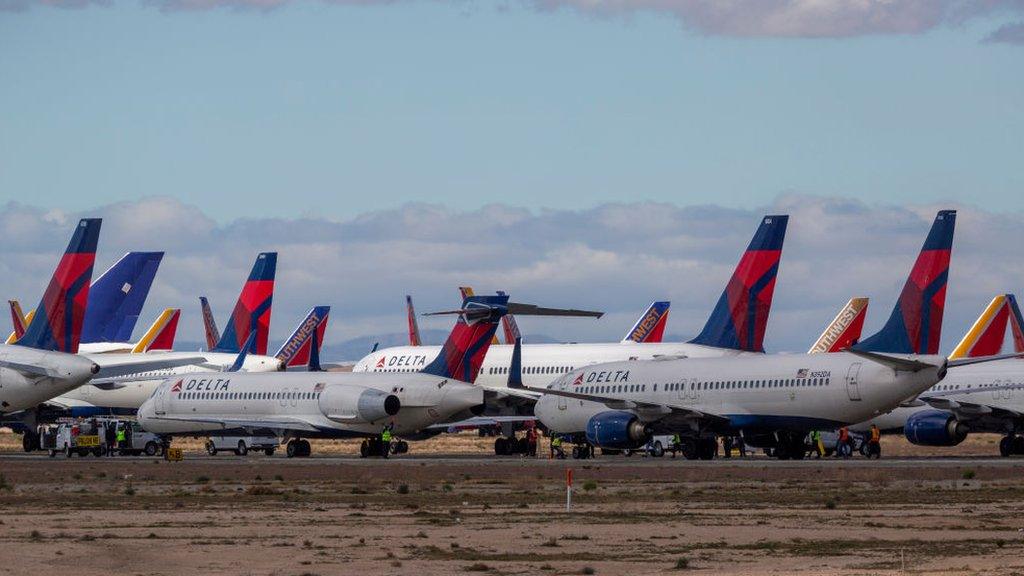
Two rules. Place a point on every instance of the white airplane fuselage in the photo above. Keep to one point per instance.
(21, 389)
(796, 392)
(332, 404)
(542, 363)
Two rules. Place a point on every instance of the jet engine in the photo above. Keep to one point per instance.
(617, 429)
(357, 404)
(934, 428)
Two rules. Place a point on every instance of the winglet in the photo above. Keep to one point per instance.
(987, 334)
(845, 329)
(250, 342)
(515, 369)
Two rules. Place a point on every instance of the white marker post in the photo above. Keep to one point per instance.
(568, 489)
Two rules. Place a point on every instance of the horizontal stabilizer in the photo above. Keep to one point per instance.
(896, 363)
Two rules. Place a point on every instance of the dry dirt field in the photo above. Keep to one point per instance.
(428, 514)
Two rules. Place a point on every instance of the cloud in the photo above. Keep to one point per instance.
(1008, 34)
(615, 257)
(741, 18)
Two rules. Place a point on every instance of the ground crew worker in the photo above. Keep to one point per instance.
(874, 445)
(385, 441)
(677, 444)
(819, 449)
(531, 442)
(110, 435)
(120, 438)
(556, 447)
(843, 446)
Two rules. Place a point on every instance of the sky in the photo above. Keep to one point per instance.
(579, 152)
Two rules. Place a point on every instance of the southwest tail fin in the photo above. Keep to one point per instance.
(116, 298)
(296, 349)
(845, 329)
(741, 315)
(57, 323)
(915, 325)
(161, 333)
(466, 292)
(463, 353)
(252, 311)
(209, 323)
(19, 320)
(414, 327)
(1016, 324)
(650, 327)
(987, 334)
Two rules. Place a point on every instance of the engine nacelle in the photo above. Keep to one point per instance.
(617, 429)
(934, 428)
(357, 404)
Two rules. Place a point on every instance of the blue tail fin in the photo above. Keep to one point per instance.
(515, 369)
(915, 325)
(247, 347)
(740, 318)
(116, 298)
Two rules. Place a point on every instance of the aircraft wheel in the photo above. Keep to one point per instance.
(291, 449)
(706, 448)
(269, 451)
(1006, 446)
(1017, 445)
(29, 442)
(305, 448)
(500, 446)
(364, 449)
(689, 450)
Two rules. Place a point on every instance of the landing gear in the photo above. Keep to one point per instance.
(1011, 444)
(790, 447)
(582, 451)
(372, 447)
(30, 441)
(510, 445)
(707, 448)
(297, 448)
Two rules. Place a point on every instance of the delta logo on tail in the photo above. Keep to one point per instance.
(915, 325)
(463, 353)
(845, 329)
(252, 311)
(57, 323)
(740, 318)
(651, 326)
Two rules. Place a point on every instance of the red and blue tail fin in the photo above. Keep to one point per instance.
(57, 323)
(414, 327)
(1016, 324)
(116, 298)
(252, 311)
(463, 353)
(741, 316)
(650, 327)
(209, 323)
(296, 349)
(915, 325)
(987, 334)
(845, 329)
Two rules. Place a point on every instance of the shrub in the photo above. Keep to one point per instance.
(968, 474)
(683, 564)
(590, 485)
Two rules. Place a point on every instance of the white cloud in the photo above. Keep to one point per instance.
(615, 258)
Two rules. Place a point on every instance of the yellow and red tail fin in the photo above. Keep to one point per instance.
(845, 329)
(986, 336)
(19, 320)
(160, 335)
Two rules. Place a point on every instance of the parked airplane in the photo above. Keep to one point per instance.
(115, 301)
(845, 329)
(772, 401)
(316, 404)
(736, 326)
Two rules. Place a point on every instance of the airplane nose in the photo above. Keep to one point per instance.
(459, 397)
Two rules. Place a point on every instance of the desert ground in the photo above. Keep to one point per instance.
(449, 507)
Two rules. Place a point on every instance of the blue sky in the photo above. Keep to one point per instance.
(334, 110)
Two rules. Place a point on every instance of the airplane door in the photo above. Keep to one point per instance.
(160, 401)
(562, 399)
(853, 381)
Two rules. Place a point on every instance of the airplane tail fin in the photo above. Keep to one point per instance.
(1016, 324)
(987, 334)
(161, 333)
(57, 323)
(650, 327)
(463, 353)
(116, 298)
(252, 311)
(19, 321)
(466, 292)
(509, 328)
(209, 323)
(414, 327)
(247, 347)
(296, 349)
(915, 325)
(740, 318)
(845, 329)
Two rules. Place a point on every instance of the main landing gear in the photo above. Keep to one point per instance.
(372, 447)
(790, 446)
(297, 448)
(1011, 444)
(705, 448)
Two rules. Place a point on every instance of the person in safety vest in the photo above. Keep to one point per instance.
(843, 446)
(385, 441)
(121, 438)
(874, 442)
(556, 448)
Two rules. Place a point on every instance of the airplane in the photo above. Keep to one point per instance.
(987, 398)
(735, 327)
(773, 401)
(317, 404)
(845, 329)
(115, 300)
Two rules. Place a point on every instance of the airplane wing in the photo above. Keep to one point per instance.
(953, 401)
(648, 411)
(480, 421)
(277, 423)
(110, 369)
